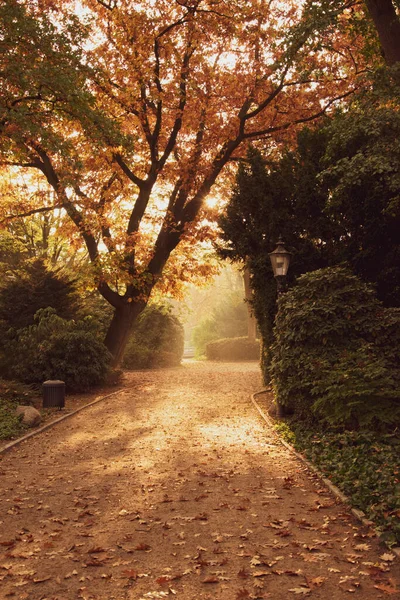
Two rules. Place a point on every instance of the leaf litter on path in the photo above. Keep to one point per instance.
(176, 488)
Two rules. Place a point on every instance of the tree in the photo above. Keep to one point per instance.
(335, 198)
(133, 126)
(387, 24)
(34, 288)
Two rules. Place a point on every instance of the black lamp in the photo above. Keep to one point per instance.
(280, 261)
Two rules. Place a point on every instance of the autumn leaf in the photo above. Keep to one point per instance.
(243, 574)
(388, 589)
(210, 579)
(301, 590)
(130, 574)
(362, 547)
(317, 581)
(387, 557)
(163, 580)
(243, 593)
(143, 547)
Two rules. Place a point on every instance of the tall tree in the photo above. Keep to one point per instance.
(387, 24)
(133, 127)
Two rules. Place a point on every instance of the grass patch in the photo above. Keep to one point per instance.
(363, 464)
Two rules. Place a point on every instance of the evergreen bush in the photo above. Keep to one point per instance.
(157, 340)
(336, 354)
(233, 349)
(36, 287)
(55, 348)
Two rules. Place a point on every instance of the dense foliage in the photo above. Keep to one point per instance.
(12, 394)
(32, 288)
(56, 348)
(157, 340)
(233, 349)
(364, 465)
(131, 135)
(335, 355)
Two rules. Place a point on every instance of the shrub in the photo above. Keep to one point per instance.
(157, 341)
(333, 358)
(12, 394)
(32, 289)
(54, 348)
(228, 319)
(233, 349)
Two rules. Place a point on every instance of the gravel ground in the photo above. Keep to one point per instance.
(175, 487)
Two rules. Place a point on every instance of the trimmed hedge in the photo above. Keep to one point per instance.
(240, 348)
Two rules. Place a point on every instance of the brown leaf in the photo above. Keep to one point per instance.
(301, 590)
(387, 557)
(130, 574)
(242, 594)
(388, 589)
(143, 547)
(8, 544)
(211, 579)
(163, 580)
(243, 574)
(96, 550)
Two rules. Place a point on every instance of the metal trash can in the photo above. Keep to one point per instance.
(53, 393)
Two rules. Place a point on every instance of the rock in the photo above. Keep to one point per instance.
(30, 416)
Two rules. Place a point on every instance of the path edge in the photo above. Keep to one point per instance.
(358, 514)
(18, 441)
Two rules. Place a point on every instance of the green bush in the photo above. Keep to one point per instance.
(54, 348)
(12, 394)
(336, 354)
(233, 349)
(157, 340)
(36, 287)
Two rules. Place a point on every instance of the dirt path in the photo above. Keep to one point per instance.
(174, 487)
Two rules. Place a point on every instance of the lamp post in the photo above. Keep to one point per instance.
(280, 261)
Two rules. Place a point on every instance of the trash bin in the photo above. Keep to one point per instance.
(53, 394)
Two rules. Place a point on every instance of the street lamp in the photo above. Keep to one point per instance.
(280, 260)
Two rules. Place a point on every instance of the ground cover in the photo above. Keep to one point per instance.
(364, 465)
(12, 394)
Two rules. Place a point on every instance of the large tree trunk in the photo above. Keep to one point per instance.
(387, 24)
(120, 327)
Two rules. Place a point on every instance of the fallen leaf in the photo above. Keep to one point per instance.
(362, 547)
(388, 589)
(387, 557)
(301, 590)
(211, 579)
(143, 547)
(242, 594)
(317, 581)
(130, 574)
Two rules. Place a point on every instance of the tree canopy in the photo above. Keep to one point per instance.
(132, 116)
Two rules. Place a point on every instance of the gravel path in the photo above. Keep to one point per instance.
(175, 487)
